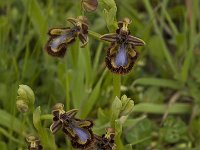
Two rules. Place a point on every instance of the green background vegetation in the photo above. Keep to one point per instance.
(164, 83)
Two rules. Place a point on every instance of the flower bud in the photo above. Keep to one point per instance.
(89, 5)
(127, 105)
(22, 106)
(25, 98)
(26, 93)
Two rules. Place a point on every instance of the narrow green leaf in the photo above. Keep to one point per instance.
(9, 136)
(10, 122)
(36, 118)
(118, 132)
(159, 82)
(3, 145)
(132, 122)
(116, 108)
(177, 108)
(46, 137)
(37, 17)
(168, 56)
(89, 103)
(97, 57)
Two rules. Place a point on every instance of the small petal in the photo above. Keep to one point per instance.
(71, 113)
(111, 37)
(55, 126)
(135, 41)
(84, 123)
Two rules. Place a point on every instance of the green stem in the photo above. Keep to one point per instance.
(46, 117)
(67, 92)
(118, 142)
(96, 36)
(116, 86)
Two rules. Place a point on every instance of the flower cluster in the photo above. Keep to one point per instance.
(79, 131)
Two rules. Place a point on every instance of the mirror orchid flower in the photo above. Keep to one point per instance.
(121, 54)
(61, 38)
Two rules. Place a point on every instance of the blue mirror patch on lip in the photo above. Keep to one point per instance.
(121, 57)
(82, 134)
(57, 41)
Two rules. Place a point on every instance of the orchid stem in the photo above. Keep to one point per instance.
(96, 36)
(116, 86)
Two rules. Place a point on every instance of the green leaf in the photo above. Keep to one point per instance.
(107, 3)
(133, 122)
(128, 147)
(156, 56)
(109, 9)
(173, 130)
(89, 103)
(3, 145)
(37, 17)
(141, 133)
(10, 122)
(118, 132)
(116, 108)
(177, 108)
(46, 137)
(164, 48)
(110, 17)
(158, 82)
(9, 136)
(36, 119)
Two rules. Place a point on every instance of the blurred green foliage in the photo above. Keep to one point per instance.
(165, 79)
